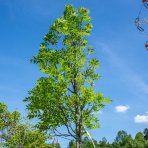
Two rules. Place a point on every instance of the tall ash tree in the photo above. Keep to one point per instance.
(65, 96)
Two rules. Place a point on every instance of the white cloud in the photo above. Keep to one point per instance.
(122, 108)
(141, 119)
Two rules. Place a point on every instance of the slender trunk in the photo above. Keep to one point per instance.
(78, 129)
(77, 119)
(77, 106)
(77, 132)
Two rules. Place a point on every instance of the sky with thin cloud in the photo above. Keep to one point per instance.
(117, 43)
(141, 119)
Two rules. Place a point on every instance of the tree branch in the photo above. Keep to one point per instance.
(70, 90)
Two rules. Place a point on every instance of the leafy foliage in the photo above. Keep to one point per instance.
(14, 134)
(146, 134)
(65, 96)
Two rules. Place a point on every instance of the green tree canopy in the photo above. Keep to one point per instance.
(8, 120)
(65, 96)
(145, 133)
(14, 134)
(139, 140)
(123, 139)
(104, 143)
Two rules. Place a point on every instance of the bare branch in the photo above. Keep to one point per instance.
(70, 90)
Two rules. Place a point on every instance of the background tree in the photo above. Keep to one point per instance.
(65, 96)
(86, 143)
(145, 133)
(123, 139)
(120, 136)
(8, 121)
(72, 144)
(104, 143)
(14, 134)
(26, 136)
(139, 140)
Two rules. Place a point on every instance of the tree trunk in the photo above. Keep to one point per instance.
(78, 130)
(77, 144)
(78, 140)
(77, 108)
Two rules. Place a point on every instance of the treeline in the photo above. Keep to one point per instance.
(122, 140)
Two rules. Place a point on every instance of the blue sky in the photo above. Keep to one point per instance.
(118, 44)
